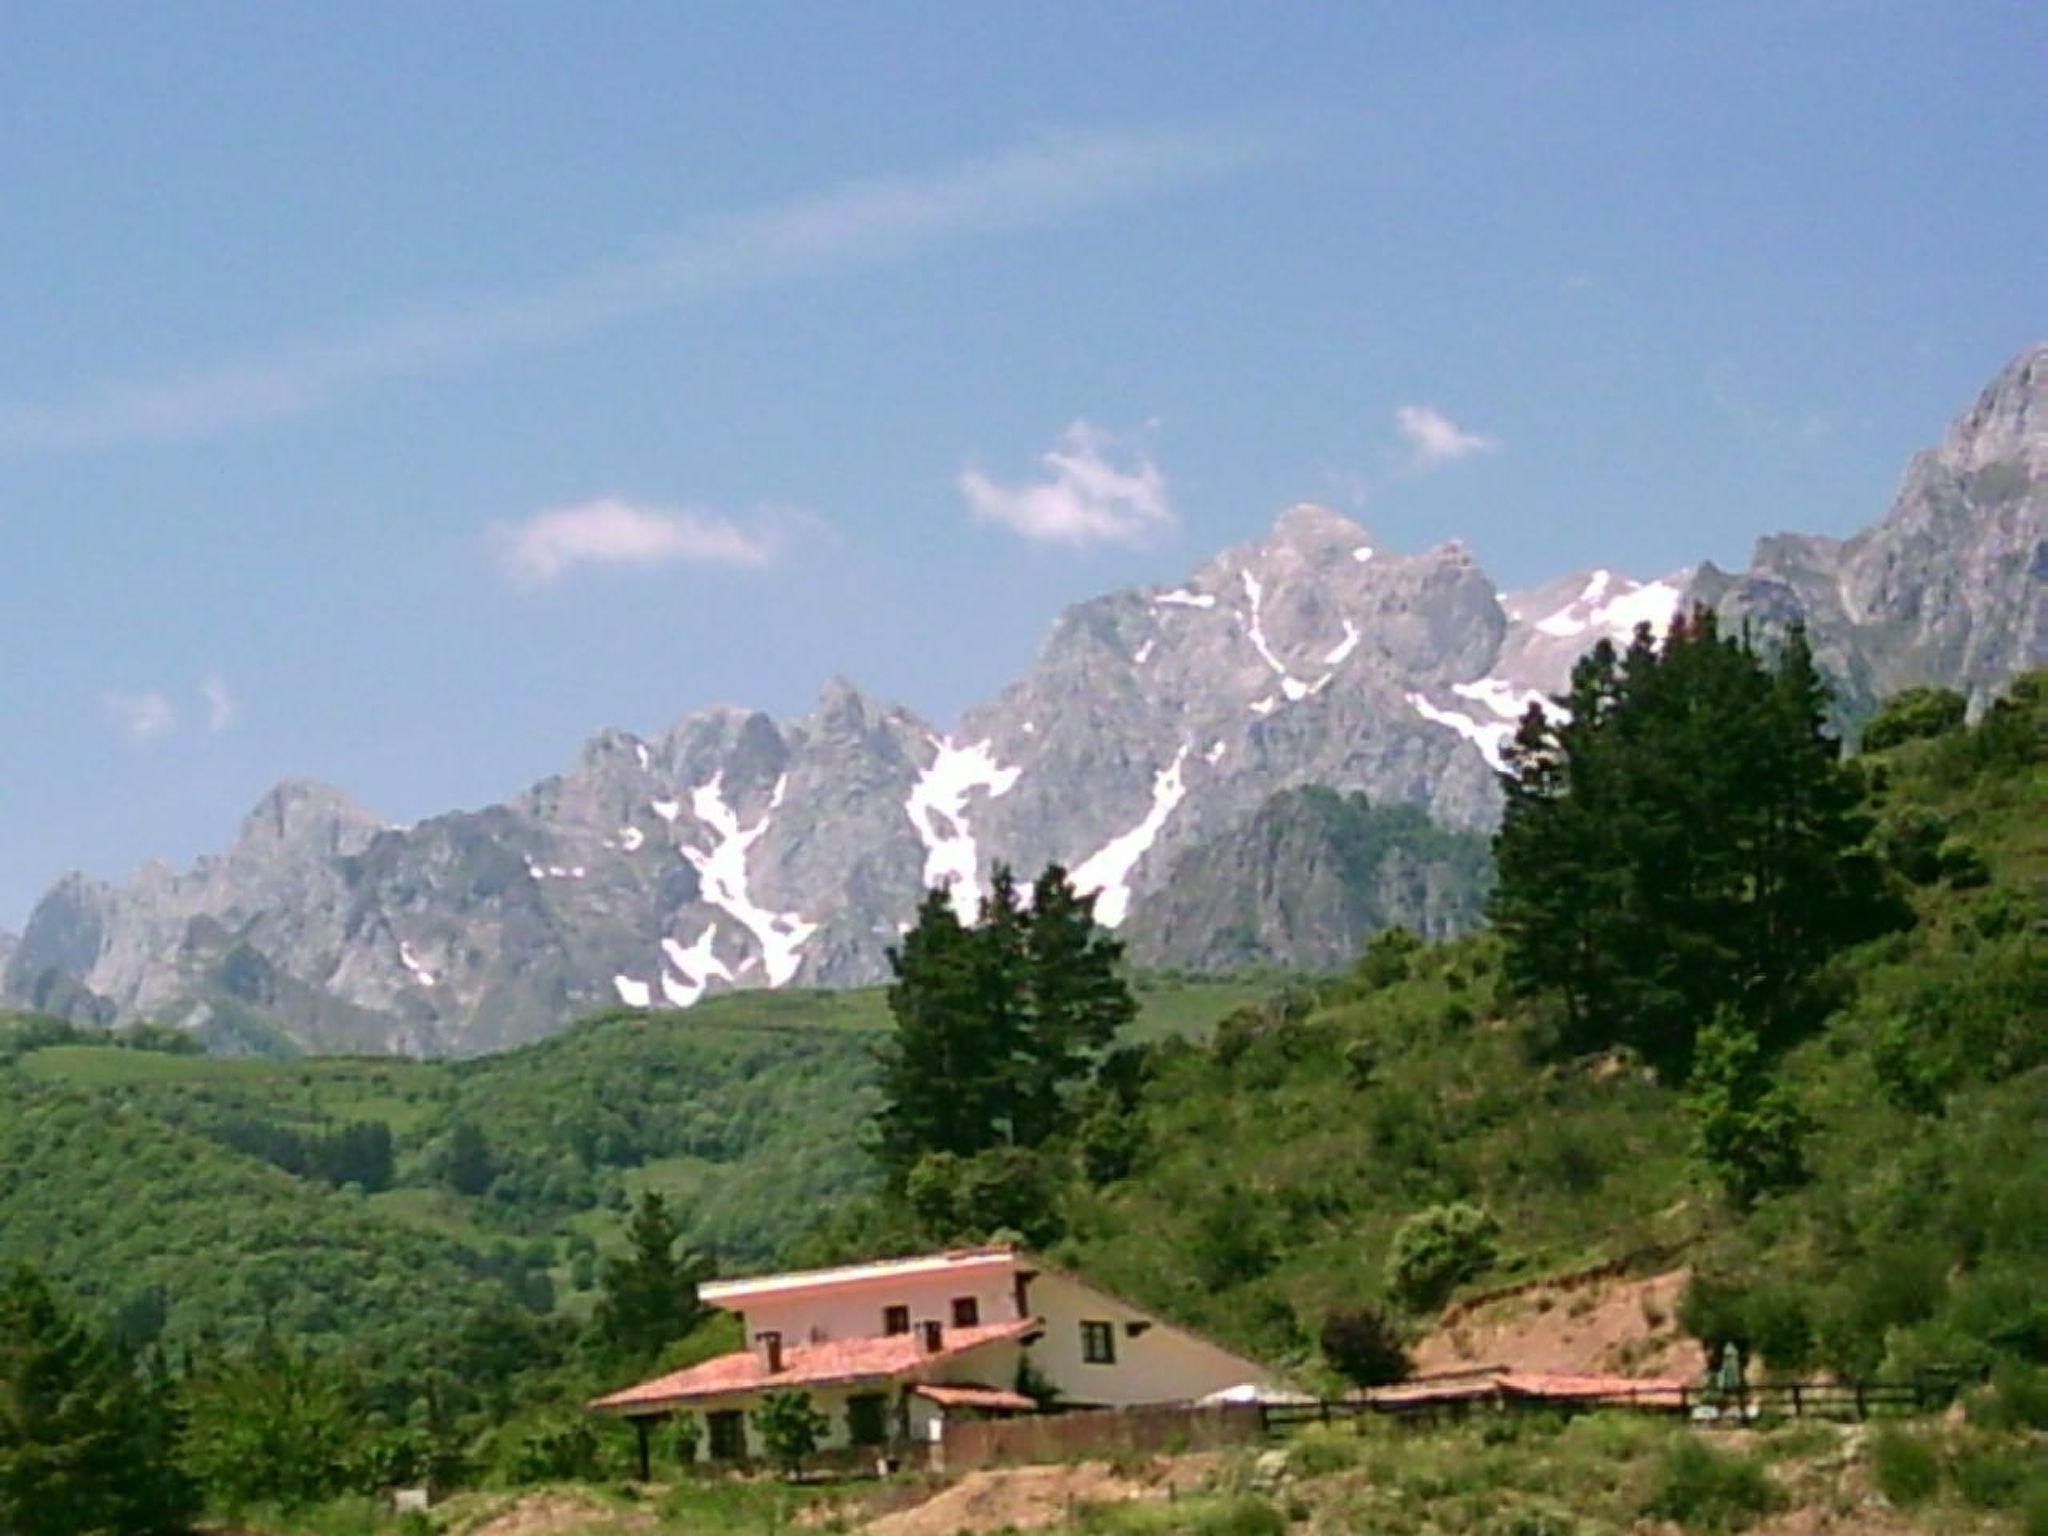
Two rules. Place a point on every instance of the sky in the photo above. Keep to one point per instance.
(395, 395)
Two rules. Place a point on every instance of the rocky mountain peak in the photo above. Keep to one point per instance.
(2008, 424)
(308, 816)
(1144, 750)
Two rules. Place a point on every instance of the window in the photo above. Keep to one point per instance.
(867, 1418)
(966, 1312)
(728, 1431)
(895, 1320)
(1098, 1343)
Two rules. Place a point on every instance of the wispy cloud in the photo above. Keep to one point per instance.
(141, 717)
(1097, 489)
(221, 704)
(1435, 440)
(857, 223)
(608, 532)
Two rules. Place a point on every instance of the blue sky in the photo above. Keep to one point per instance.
(394, 394)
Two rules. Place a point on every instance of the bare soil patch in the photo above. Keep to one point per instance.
(1032, 1498)
(1605, 1326)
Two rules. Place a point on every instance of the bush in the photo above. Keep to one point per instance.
(2018, 1399)
(1365, 1347)
(1705, 1489)
(1906, 1470)
(1992, 1476)
(1915, 714)
(1244, 1516)
(1437, 1249)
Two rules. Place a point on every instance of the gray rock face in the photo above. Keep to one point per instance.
(1304, 880)
(1952, 586)
(1144, 750)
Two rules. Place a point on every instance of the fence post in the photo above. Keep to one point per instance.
(1862, 1408)
(1798, 1403)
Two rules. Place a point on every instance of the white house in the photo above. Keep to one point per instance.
(889, 1350)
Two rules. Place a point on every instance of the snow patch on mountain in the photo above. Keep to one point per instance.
(1180, 597)
(667, 810)
(1107, 872)
(634, 994)
(1489, 737)
(1613, 606)
(1343, 648)
(411, 962)
(695, 965)
(630, 839)
(937, 807)
(722, 869)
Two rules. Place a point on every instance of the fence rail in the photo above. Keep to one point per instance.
(1705, 1405)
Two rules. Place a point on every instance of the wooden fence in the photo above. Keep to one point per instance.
(1701, 1405)
(1169, 1427)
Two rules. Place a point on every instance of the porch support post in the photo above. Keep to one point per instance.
(640, 1431)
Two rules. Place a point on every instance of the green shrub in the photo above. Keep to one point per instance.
(2018, 1399)
(1365, 1347)
(1906, 1469)
(1992, 1475)
(1705, 1489)
(1437, 1249)
(1914, 714)
(1248, 1515)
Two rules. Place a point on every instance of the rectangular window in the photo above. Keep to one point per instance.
(966, 1312)
(728, 1432)
(1098, 1343)
(895, 1320)
(867, 1418)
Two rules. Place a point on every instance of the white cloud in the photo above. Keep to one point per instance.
(221, 706)
(610, 532)
(1097, 490)
(1435, 440)
(857, 223)
(141, 717)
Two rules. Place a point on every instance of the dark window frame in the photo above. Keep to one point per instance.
(863, 1430)
(725, 1433)
(1098, 1342)
(895, 1320)
(966, 1312)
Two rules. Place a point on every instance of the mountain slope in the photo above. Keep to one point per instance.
(737, 851)
(1305, 880)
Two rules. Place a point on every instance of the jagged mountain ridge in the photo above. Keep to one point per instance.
(736, 850)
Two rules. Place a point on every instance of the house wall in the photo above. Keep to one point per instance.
(830, 1401)
(855, 1311)
(1160, 1364)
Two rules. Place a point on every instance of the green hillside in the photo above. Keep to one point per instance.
(1272, 1166)
(374, 1202)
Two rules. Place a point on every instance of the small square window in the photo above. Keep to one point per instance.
(1098, 1343)
(895, 1320)
(966, 1312)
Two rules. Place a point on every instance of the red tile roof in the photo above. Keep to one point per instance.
(809, 1365)
(976, 1397)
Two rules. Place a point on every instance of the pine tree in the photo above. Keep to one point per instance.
(936, 1096)
(998, 1026)
(1078, 1003)
(649, 1295)
(1681, 837)
(999, 1075)
(85, 1443)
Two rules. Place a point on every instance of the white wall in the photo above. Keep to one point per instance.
(855, 1311)
(1161, 1364)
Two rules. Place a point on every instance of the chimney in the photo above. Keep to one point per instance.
(933, 1334)
(768, 1344)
